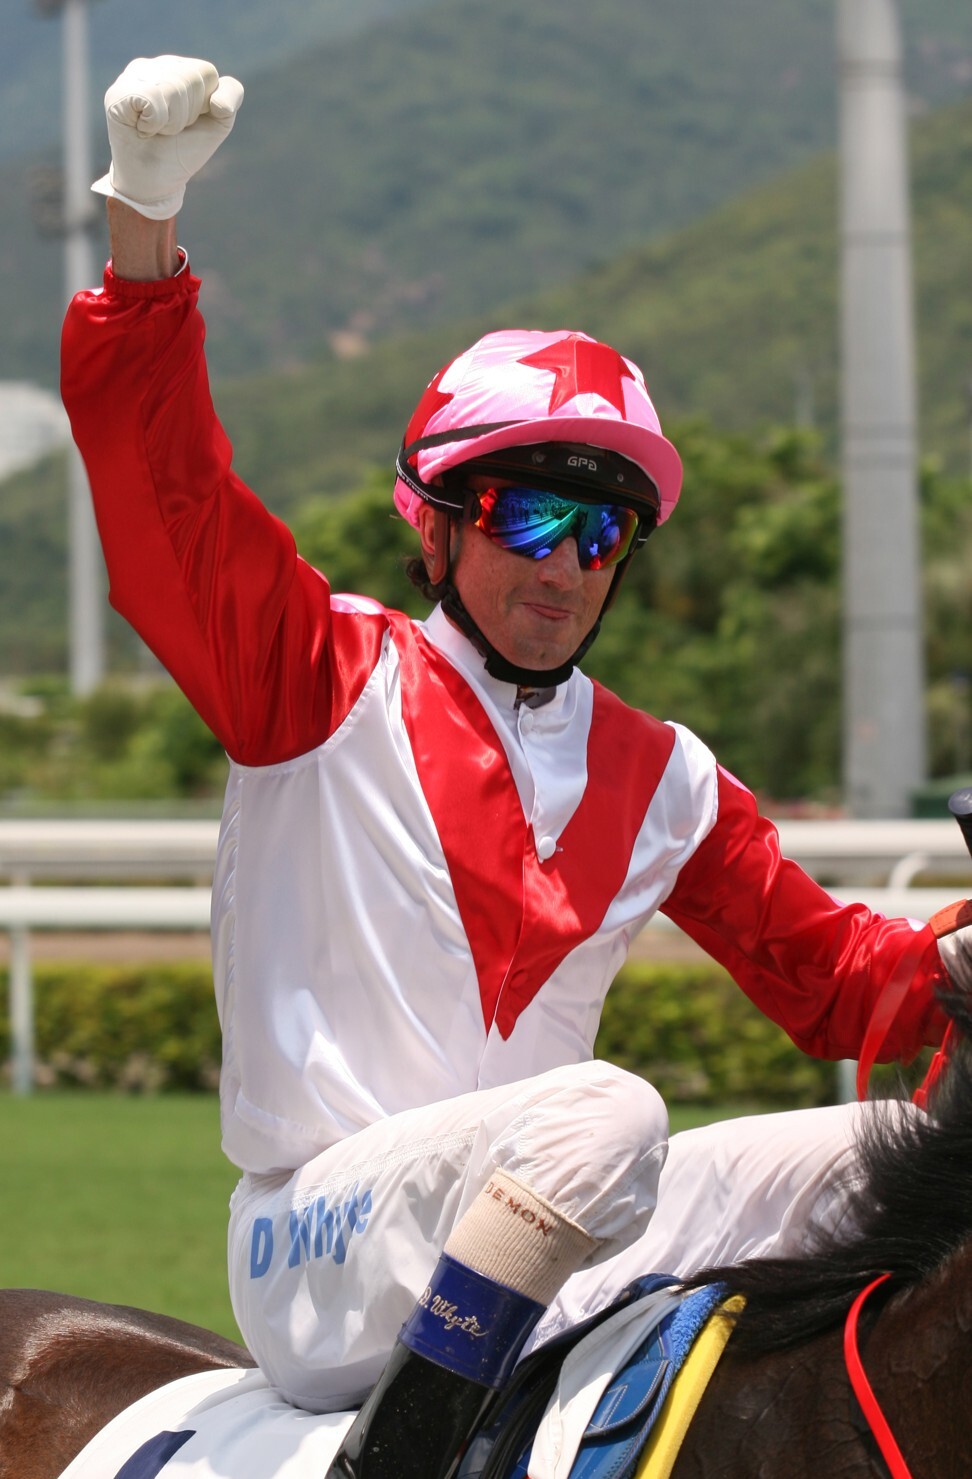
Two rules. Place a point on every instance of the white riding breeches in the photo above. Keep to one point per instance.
(745, 1188)
(326, 1263)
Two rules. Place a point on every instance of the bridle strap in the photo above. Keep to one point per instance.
(864, 1392)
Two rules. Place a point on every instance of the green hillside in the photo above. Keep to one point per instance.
(461, 154)
(736, 316)
(246, 35)
(733, 318)
(727, 316)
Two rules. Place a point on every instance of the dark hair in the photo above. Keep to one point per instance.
(415, 569)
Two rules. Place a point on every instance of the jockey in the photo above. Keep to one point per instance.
(438, 841)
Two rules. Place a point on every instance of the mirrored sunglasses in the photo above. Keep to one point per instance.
(531, 522)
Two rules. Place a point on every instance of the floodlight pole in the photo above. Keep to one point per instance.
(884, 721)
(86, 601)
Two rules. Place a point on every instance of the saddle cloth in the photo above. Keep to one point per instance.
(612, 1384)
(668, 1434)
(208, 1426)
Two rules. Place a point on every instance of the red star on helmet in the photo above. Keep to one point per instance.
(433, 399)
(582, 367)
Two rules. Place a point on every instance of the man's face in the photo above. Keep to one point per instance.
(535, 613)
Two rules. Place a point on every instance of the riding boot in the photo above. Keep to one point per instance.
(454, 1354)
(416, 1424)
(502, 1264)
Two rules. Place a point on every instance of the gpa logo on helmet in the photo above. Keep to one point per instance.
(588, 462)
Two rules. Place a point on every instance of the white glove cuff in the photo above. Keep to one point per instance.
(156, 210)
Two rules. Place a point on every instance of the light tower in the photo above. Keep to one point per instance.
(884, 723)
(86, 601)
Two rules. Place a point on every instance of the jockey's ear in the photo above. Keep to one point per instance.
(434, 526)
(425, 522)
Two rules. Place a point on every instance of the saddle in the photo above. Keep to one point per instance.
(581, 1405)
(566, 1414)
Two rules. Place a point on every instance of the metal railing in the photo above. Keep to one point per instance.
(66, 875)
(103, 850)
(155, 876)
(891, 853)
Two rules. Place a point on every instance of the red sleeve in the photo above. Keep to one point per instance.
(210, 580)
(814, 966)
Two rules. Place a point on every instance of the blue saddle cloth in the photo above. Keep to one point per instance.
(623, 1418)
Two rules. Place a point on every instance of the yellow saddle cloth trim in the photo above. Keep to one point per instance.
(668, 1434)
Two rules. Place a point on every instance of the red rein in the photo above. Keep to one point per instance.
(943, 923)
(864, 1392)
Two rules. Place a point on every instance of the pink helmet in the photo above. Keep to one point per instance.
(519, 387)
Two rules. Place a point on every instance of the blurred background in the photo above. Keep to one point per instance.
(404, 175)
(407, 174)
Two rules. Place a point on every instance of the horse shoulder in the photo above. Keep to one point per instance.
(786, 1412)
(918, 1359)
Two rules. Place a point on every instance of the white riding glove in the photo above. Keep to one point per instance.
(167, 116)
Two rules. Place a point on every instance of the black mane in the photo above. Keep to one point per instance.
(913, 1211)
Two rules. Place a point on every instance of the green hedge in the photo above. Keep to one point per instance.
(699, 1040)
(139, 1028)
(152, 1027)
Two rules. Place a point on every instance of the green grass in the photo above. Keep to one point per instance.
(124, 1199)
(117, 1198)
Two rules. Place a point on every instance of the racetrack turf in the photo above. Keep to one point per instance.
(117, 1198)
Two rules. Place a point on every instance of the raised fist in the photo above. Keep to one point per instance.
(167, 116)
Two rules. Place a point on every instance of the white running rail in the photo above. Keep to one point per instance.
(155, 875)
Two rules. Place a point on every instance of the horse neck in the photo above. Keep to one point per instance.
(919, 1359)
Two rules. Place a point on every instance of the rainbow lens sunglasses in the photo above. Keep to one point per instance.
(531, 522)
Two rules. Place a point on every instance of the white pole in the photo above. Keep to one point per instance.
(884, 722)
(86, 581)
(21, 1008)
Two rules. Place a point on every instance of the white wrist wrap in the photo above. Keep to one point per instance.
(513, 1236)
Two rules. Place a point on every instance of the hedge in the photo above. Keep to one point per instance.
(153, 1027)
(699, 1040)
(139, 1028)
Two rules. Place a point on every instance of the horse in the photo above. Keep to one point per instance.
(780, 1401)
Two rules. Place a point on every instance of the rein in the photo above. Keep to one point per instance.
(955, 917)
(864, 1392)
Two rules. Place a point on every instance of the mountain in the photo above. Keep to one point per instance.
(461, 154)
(733, 318)
(246, 35)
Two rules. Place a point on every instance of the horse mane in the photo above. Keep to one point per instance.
(911, 1207)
